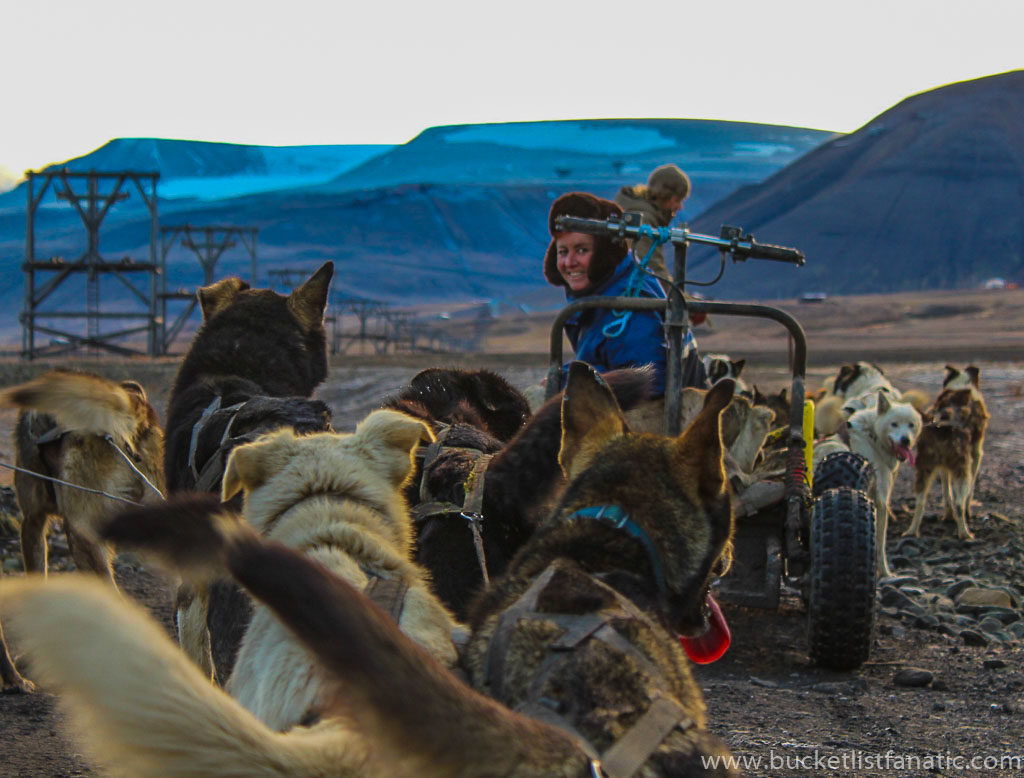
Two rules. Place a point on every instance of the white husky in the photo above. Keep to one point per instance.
(884, 434)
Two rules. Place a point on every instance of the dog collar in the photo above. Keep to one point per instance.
(615, 517)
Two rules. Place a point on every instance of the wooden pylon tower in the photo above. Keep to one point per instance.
(43, 277)
(208, 243)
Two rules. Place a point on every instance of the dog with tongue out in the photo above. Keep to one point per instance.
(714, 642)
(885, 435)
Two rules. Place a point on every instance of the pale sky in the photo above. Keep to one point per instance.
(77, 73)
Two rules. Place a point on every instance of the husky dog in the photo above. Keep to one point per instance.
(950, 446)
(855, 379)
(86, 431)
(478, 498)
(719, 366)
(745, 426)
(580, 635)
(250, 369)
(584, 621)
(855, 387)
(253, 344)
(884, 433)
(476, 397)
(779, 404)
(91, 432)
(139, 707)
(337, 498)
(476, 411)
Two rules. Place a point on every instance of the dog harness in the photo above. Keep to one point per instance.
(629, 752)
(387, 592)
(208, 479)
(472, 507)
(385, 588)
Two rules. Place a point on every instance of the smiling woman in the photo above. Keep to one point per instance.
(599, 266)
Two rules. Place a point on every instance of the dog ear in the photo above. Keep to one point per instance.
(974, 373)
(134, 387)
(309, 301)
(844, 378)
(951, 373)
(216, 297)
(390, 437)
(590, 418)
(883, 403)
(699, 451)
(249, 465)
(737, 367)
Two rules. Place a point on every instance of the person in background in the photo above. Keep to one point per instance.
(595, 265)
(658, 201)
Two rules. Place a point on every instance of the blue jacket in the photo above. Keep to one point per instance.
(641, 341)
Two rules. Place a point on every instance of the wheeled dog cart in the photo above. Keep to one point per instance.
(815, 534)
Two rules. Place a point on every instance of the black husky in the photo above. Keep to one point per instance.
(251, 368)
(481, 487)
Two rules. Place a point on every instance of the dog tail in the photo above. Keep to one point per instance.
(405, 701)
(188, 534)
(630, 385)
(139, 706)
(828, 416)
(84, 403)
(917, 398)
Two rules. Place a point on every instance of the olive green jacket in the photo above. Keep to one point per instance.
(630, 200)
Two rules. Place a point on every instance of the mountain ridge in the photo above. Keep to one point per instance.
(929, 194)
(458, 212)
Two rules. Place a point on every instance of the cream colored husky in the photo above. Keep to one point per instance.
(337, 498)
(884, 433)
(147, 710)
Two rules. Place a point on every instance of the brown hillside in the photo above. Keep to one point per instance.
(928, 195)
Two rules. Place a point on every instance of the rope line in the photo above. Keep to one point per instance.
(131, 464)
(100, 492)
(68, 483)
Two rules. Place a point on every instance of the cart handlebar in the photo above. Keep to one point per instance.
(731, 241)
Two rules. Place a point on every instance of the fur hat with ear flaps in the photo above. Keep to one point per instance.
(608, 253)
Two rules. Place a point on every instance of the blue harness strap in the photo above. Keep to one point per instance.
(613, 516)
(617, 326)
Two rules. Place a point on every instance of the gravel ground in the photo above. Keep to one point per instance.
(943, 685)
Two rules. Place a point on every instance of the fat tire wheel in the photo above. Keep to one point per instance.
(843, 468)
(841, 594)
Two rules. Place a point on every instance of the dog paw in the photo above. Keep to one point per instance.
(912, 532)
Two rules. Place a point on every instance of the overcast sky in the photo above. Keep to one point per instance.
(77, 73)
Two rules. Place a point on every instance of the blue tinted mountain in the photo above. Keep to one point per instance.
(457, 213)
(928, 195)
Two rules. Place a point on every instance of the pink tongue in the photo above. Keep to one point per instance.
(710, 646)
(904, 453)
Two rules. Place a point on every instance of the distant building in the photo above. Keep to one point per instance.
(813, 297)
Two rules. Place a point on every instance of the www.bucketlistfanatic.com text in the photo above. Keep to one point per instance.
(855, 761)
